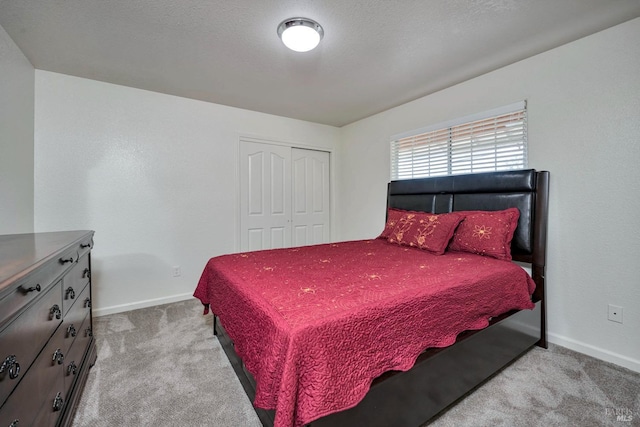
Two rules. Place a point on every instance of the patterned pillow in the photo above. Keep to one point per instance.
(486, 233)
(426, 230)
(393, 215)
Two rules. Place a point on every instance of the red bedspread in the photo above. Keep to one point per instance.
(315, 325)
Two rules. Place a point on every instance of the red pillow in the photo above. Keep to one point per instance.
(426, 230)
(486, 233)
(393, 215)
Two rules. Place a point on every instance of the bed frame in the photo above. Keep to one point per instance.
(442, 376)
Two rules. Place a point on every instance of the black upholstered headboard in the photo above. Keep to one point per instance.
(525, 189)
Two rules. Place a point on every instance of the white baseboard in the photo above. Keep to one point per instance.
(97, 312)
(598, 353)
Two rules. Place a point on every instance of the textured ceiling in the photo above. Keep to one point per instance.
(375, 55)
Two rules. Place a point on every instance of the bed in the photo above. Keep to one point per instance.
(377, 332)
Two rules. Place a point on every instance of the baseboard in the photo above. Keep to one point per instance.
(97, 312)
(598, 353)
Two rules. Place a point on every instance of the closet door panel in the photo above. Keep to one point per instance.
(311, 214)
(265, 196)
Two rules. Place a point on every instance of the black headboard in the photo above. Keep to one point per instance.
(526, 190)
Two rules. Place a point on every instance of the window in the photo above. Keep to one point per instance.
(491, 141)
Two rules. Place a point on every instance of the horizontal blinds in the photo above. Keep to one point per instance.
(489, 144)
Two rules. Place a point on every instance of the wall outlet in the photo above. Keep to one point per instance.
(615, 313)
(176, 271)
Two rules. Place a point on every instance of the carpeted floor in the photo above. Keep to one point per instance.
(162, 366)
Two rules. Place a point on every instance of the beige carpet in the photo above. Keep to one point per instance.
(161, 366)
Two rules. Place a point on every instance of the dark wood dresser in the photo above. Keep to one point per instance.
(46, 339)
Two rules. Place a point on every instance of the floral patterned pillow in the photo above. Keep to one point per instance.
(486, 233)
(426, 230)
(393, 215)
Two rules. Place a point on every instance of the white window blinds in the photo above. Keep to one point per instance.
(491, 141)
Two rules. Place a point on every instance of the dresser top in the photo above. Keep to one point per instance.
(22, 253)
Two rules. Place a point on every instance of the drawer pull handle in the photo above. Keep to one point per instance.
(88, 332)
(86, 273)
(55, 312)
(66, 260)
(58, 357)
(85, 245)
(72, 368)
(11, 364)
(58, 402)
(70, 293)
(14, 423)
(71, 331)
(87, 303)
(32, 288)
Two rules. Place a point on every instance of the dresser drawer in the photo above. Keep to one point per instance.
(49, 416)
(45, 375)
(36, 283)
(75, 355)
(27, 334)
(77, 313)
(72, 323)
(85, 246)
(74, 282)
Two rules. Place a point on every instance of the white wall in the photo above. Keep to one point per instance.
(16, 138)
(584, 127)
(154, 175)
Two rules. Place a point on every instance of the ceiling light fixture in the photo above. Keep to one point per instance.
(300, 34)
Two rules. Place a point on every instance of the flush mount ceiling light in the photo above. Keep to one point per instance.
(300, 34)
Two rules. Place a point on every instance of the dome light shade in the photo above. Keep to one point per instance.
(300, 34)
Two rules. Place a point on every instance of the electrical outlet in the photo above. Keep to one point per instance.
(615, 313)
(177, 271)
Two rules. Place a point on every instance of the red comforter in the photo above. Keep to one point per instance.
(315, 325)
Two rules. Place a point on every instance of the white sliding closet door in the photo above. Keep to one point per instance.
(310, 184)
(265, 196)
(284, 196)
